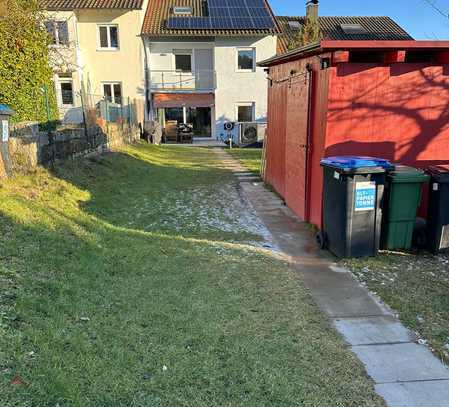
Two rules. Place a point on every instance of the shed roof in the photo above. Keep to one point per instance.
(348, 45)
(92, 4)
(158, 12)
(375, 28)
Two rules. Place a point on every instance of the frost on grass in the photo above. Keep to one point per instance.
(203, 209)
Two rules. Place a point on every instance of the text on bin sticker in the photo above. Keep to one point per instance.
(365, 196)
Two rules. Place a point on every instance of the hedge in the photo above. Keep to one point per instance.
(24, 62)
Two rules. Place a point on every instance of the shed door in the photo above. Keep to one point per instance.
(296, 144)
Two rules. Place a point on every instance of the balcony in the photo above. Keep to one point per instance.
(178, 81)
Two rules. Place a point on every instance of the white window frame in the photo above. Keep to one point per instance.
(108, 48)
(188, 52)
(237, 59)
(58, 43)
(112, 83)
(246, 104)
(66, 80)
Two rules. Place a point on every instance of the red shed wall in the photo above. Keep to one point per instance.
(288, 113)
(399, 112)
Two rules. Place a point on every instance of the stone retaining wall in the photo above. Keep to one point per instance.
(28, 147)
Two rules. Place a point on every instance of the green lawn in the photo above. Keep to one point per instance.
(249, 157)
(416, 286)
(138, 279)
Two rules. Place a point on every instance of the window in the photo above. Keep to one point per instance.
(183, 61)
(294, 25)
(353, 29)
(66, 92)
(58, 31)
(113, 92)
(245, 112)
(246, 59)
(179, 10)
(108, 37)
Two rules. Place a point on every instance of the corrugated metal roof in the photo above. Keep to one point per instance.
(92, 4)
(158, 11)
(376, 28)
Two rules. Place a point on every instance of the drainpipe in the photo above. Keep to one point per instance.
(310, 113)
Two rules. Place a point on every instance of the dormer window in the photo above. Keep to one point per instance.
(182, 11)
(353, 29)
(294, 25)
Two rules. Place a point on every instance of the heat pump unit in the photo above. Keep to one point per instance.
(249, 134)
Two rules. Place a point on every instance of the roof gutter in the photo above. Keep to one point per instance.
(305, 50)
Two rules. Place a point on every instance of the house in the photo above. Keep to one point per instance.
(201, 62)
(96, 53)
(365, 89)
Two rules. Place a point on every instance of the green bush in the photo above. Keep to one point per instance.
(24, 62)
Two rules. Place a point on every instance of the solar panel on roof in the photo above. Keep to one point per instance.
(227, 15)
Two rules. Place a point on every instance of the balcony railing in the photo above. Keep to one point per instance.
(183, 81)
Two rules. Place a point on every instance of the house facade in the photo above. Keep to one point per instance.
(96, 49)
(201, 68)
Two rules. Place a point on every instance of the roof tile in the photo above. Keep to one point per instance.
(92, 4)
(377, 28)
(158, 12)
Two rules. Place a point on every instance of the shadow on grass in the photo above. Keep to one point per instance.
(96, 308)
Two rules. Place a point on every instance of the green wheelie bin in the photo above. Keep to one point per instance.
(402, 197)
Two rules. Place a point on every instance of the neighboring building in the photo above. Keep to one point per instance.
(341, 28)
(96, 47)
(201, 61)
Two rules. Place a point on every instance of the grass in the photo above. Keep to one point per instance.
(249, 157)
(128, 281)
(417, 287)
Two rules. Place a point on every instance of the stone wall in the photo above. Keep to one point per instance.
(28, 147)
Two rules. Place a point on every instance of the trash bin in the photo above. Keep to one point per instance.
(438, 215)
(352, 213)
(403, 191)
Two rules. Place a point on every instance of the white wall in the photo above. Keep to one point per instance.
(233, 86)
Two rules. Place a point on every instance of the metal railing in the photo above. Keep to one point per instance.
(185, 81)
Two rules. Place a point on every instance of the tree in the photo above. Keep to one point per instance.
(24, 62)
(310, 32)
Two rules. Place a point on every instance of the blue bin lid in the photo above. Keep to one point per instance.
(354, 162)
(6, 110)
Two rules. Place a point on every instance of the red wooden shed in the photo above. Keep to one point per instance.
(386, 99)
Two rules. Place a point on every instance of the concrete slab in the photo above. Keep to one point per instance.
(415, 394)
(369, 331)
(400, 363)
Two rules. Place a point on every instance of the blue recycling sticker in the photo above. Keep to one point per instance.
(365, 196)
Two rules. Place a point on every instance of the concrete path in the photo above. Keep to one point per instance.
(405, 373)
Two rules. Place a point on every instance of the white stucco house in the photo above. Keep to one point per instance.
(201, 62)
(189, 61)
(96, 47)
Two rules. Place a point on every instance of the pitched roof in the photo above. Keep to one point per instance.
(158, 11)
(92, 4)
(376, 28)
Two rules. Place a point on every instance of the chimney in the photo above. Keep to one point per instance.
(312, 9)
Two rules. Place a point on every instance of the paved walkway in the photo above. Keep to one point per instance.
(405, 373)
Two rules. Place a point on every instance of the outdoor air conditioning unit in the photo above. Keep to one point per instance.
(250, 133)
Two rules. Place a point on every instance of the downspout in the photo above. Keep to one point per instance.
(309, 139)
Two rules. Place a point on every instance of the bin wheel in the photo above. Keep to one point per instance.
(321, 240)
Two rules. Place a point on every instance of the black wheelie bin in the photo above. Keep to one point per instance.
(438, 214)
(352, 204)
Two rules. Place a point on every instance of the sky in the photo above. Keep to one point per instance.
(417, 17)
